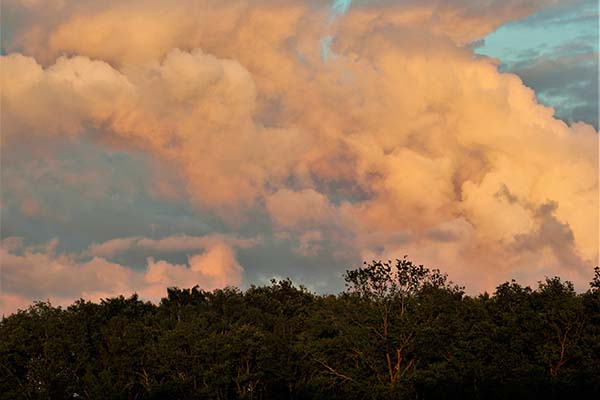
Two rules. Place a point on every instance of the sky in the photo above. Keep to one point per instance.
(148, 144)
(555, 52)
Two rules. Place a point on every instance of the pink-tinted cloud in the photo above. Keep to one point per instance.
(153, 28)
(40, 273)
(305, 208)
(405, 142)
(169, 244)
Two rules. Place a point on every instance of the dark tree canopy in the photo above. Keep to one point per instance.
(400, 331)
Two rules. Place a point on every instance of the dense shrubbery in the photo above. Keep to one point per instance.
(400, 331)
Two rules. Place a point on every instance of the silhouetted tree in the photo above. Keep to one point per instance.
(400, 331)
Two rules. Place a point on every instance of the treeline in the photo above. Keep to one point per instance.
(399, 331)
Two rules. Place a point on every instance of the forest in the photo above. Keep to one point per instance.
(399, 331)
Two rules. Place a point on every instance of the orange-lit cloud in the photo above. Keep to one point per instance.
(170, 244)
(31, 273)
(405, 142)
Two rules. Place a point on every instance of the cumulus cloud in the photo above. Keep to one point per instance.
(404, 143)
(31, 273)
(559, 59)
(153, 28)
(299, 209)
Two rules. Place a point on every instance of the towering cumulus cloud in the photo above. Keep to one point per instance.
(404, 143)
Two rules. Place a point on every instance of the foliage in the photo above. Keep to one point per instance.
(400, 331)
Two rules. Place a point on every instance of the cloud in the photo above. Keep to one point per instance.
(559, 59)
(170, 244)
(32, 273)
(402, 144)
(174, 125)
(217, 267)
(554, 234)
(569, 82)
(48, 29)
(113, 247)
(296, 209)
